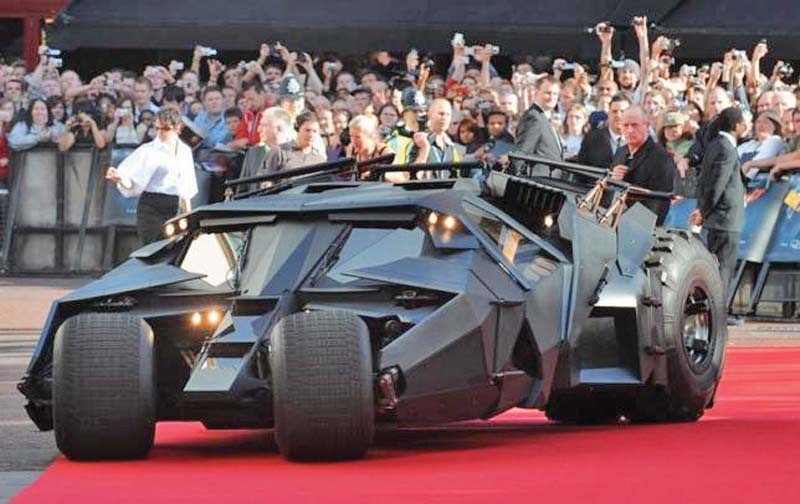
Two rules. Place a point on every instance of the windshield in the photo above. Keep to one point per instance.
(213, 255)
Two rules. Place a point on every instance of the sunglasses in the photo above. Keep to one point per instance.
(163, 128)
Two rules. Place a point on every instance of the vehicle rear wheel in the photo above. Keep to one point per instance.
(695, 332)
(322, 384)
(104, 389)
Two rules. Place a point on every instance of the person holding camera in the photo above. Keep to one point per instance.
(161, 173)
(435, 145)
(84, 129)
(35, 127)
(122, 131)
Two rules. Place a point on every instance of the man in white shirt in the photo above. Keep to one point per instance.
(161, 173)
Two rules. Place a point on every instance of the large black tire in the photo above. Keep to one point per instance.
(583, 408)
(322, 384)
(691, 291)
(104, 389)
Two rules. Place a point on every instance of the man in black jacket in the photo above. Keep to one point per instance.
(720, 203)
(599, 145)
(535, 132)
(643, 162)
(717, 100)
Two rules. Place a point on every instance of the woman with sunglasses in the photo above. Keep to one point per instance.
(161, 173)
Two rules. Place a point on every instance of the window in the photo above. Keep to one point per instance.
(515, 247)
(213, 255)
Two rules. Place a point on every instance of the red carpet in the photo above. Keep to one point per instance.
(747, 449)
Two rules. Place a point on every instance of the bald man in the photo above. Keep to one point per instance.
(717, 100)
(435, 146)
(643, 162)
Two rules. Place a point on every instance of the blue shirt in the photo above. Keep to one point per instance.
(216, 132)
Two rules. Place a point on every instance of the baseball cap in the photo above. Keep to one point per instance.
(673, 119)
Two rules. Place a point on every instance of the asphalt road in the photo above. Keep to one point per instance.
(25, 452)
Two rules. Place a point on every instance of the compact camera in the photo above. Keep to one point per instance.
(207, 52)
(470, 51)
(785, 70)
(604, 27)
(56, 62)
(673, 44)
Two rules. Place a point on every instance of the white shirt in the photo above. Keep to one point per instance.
(157, 168)
(754, 150)
(616, 141)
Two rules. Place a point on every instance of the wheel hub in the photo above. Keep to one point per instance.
(697, 333)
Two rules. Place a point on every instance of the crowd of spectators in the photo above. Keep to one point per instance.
(409, 106)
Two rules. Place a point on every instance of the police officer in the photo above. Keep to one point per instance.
(400, 140)
(292, 96)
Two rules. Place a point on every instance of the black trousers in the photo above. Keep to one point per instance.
(152, 211)
(724, 245)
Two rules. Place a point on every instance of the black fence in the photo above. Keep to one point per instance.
(60, 216)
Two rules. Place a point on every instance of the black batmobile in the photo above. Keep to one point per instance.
(322, 306)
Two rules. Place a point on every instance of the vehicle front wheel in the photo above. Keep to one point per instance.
(322, 384)
(104, 388)
(695, 332)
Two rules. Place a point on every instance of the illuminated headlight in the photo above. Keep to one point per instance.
(169, 230)
(548, 221)
(213, 317)
(433, 218)
(197, 319)
(450, 223)
(183, 224)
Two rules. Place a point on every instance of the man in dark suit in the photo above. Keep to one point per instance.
(535, 132)
(720, 204)
(642, 162)
(599, 145)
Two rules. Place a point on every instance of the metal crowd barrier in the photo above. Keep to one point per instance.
(61, 216)
(54, 214)
(767, 278)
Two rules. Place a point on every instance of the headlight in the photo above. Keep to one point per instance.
(169, 230)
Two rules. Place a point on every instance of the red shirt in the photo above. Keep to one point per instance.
(3, 155)
(249, 127)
